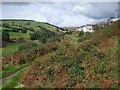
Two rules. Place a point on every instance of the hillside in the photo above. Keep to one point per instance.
(91, 63)
(30, 23)
(22, 31)
(69, 60)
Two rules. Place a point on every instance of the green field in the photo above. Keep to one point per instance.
(12, 82)
(10, 49)
(10, 69)
(18, 35)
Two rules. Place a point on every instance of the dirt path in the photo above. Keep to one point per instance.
(14, 74)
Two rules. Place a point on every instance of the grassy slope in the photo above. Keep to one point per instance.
(13, 47)
(77, 64)
(10, 49)
(12, 82)
(91, 63)
(18, 35)
(23, 23)
(33, 24)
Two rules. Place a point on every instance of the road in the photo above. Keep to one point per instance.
(10, 76)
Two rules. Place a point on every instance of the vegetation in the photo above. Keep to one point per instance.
(6, 25)
(27, 45)
(11, 48)
(64, 59)
(13, 82)
(18, 35)
(5, 36)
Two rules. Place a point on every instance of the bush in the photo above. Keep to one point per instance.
(70, 83)
(76, 71)
(27, 23)
(41, 36)
(69, 32)
(5, 36)
(23, 31)
(88, 33)
(31, 29)
(35, 35)
(54, 39)
(95, 27)
(6, 25)
(6, 29)
(80, 33)
(15, 29)
(27, 45)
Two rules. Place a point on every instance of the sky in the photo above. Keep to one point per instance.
(63, 14)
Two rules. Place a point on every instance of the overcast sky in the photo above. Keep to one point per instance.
(60, 13)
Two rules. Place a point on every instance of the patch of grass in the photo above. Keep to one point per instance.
(10, 49)
(74, 40)
(10, 69)
(12, 82)
(18, 35)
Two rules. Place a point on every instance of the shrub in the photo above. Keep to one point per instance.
(35, 35)
(95, 27)
(69, 32)
(31, 29)
(6, 29)
(27, 45)
(5, 36)
(15, 29)
(108, 33)
(88, 33)
(24, 31)
(80, 33)
(27, 23)
(76, 70)
(6, 25)
(41, 36)
(50, 71)
(54, 39)
(70, 83)
(81, 39)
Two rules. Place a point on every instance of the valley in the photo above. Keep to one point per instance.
(41, 55)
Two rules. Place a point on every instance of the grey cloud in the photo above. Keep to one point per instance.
(61, 13)
(96, 10)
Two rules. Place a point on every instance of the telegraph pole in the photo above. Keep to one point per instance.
(119, 9)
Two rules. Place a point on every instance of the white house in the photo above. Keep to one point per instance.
(85, 28)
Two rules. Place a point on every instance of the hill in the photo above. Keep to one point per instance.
(21, 31)
(67, 60)
(91, 63)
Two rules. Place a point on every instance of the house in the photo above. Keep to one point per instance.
(85, 28)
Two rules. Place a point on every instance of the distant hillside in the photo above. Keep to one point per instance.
(31, 23)
(27, 30)
(69, 28)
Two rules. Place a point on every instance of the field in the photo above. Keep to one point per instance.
(18, 35)
(51, 57)
(10, 49)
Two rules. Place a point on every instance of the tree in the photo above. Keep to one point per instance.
(80, 33)
(95, 27)
(57, 29)
(5, 36)
(15, 29)
(35, 36)
(24, 31)
(43, 40)
(31, 29)
(6, 25)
